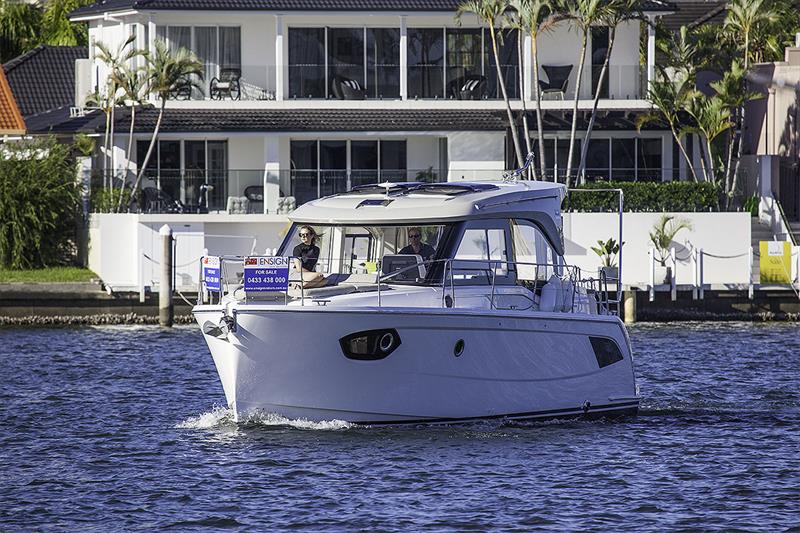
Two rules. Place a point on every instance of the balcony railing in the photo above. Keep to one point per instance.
(258, 82)
(201, 191)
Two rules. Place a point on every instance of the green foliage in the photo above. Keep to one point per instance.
(108, 200)
(751, 205)
(607, 251)
(40, 200)
(83, 144)
(664, 232)
(47, 275)
(652, 197)
(23, 25)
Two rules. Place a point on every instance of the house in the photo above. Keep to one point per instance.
(43, 84)
(11, 121)
(303, 99)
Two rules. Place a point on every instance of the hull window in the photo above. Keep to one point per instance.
(370, 345)
(606, 351)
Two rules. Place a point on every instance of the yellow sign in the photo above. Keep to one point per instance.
(776, 261)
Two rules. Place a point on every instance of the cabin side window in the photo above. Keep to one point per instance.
(482, 252)
(535, 258)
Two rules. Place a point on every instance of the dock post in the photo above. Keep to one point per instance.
(695, 268)
(750, 274)
(673, 289)
(652, 257)
(166, 312)
(702, 276)
(629, 297)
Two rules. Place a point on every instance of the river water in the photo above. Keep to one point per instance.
(119, 428)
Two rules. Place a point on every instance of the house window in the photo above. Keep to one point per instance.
(319, 58)
(217, 47)
(204, 163)
(618, 159)
(441, 61)
(320, 168)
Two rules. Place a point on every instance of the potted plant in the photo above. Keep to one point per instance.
(607, 251)
(664, 232)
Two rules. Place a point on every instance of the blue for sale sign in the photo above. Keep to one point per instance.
(266, 274)
(211, 276)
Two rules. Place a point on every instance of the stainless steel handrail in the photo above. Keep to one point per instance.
(571, 273)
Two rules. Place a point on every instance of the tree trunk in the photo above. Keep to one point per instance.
(585, 147)
(742, 117)
(575, 109)
(683, 151)
(111, 175)
(502, 83)
(128, 165)
(539, 120)
(525, 128)
(105, 148)
(149, 148)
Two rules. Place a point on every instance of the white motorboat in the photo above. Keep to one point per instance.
(491, 324)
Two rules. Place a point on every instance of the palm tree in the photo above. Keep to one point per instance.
(490, 12)
(513, 21)
(166, 74)
(669, 98)
(19, 28)
(56, 26)
(536, 17)
(131, 82)
(583, 14)
(614, 13)
(746, 19)
(732, 90)
(105, 101)
(712, 119)
(115, 60)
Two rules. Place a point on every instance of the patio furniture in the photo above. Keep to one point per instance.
(157, 201)
(469, 87)
(238, 205)
(182, 91)
(557, 79)
(347, 89)
(227, 85)
(255, 195)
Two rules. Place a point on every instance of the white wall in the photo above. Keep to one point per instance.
(126, 249)
(475, 155)
(422, 152)
(725, 234)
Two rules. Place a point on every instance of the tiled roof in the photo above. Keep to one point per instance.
(326, 120)
(44, 78)
(694, 13)
(10, 118)
(298, 5)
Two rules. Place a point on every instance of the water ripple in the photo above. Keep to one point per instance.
(119, 428)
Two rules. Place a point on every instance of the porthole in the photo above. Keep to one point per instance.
(370, 345)
(386, 342)
(458, 349)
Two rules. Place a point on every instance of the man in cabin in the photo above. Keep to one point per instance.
(416, 246)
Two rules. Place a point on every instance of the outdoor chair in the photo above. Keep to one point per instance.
(182, 90)
(227, 85)
(347, 89)
(255, 195)
(557, 80)
(470, 87)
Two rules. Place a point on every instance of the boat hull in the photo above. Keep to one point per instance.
(289, 361)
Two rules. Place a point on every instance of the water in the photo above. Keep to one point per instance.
(119, 428)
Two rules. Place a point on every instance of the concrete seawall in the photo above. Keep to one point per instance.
(80, 304)
(32, 304)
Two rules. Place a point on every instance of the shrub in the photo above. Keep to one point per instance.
(107, 200)
(654, 197)
(40, 203)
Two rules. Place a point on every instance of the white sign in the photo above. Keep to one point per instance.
(775, 248)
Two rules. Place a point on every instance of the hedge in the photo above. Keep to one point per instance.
(40, 203)
(654, 197)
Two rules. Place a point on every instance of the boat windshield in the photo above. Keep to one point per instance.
(348, 250)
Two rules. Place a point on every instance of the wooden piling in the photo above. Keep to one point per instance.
(166, 310)
(629, 299)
